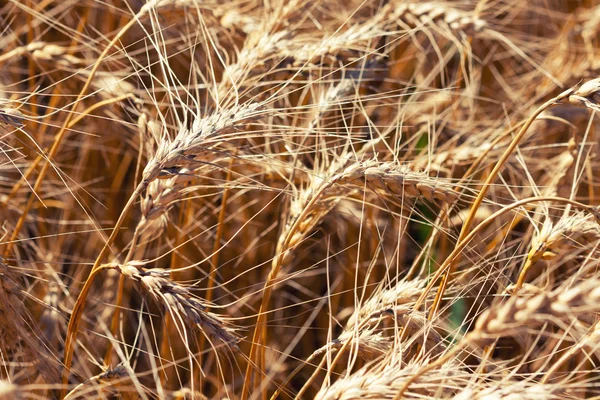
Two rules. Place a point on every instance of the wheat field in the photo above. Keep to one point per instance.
(298, 199)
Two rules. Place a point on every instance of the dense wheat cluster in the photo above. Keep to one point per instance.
(298, 199)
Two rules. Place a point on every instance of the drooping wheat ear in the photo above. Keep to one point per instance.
(564, 303)
(265, 47)
(160, 195)
(586, 95)
(329, 100)
(181, 304)
(509, 390)
(398, 299)
(44, 52)
(382, 380)
(399, 180)
(390, 178)
(569, 232)
(347, 44)
(372, 328)
(440, 14)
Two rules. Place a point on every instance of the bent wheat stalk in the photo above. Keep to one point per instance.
(586, 95)
(446, 265)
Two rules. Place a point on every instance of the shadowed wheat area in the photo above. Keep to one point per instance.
(299, 199)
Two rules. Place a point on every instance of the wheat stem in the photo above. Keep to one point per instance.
(79, 305)
(482, 193)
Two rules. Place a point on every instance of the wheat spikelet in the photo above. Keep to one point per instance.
(585, 95)
(160, 195)
(43, 52)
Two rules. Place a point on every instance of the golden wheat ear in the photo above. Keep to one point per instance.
(180, 303)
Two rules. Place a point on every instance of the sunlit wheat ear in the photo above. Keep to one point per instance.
(186, 150)
(431, 12)
(509, 390)
(43, 52)
(563, 304)
(400, 299)
(586, 95)
(181, 304)
(570, 232)
(347, 44)
(372, 329)
(399, 180)
(388, 178)
(110, 85)
(383, 379)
